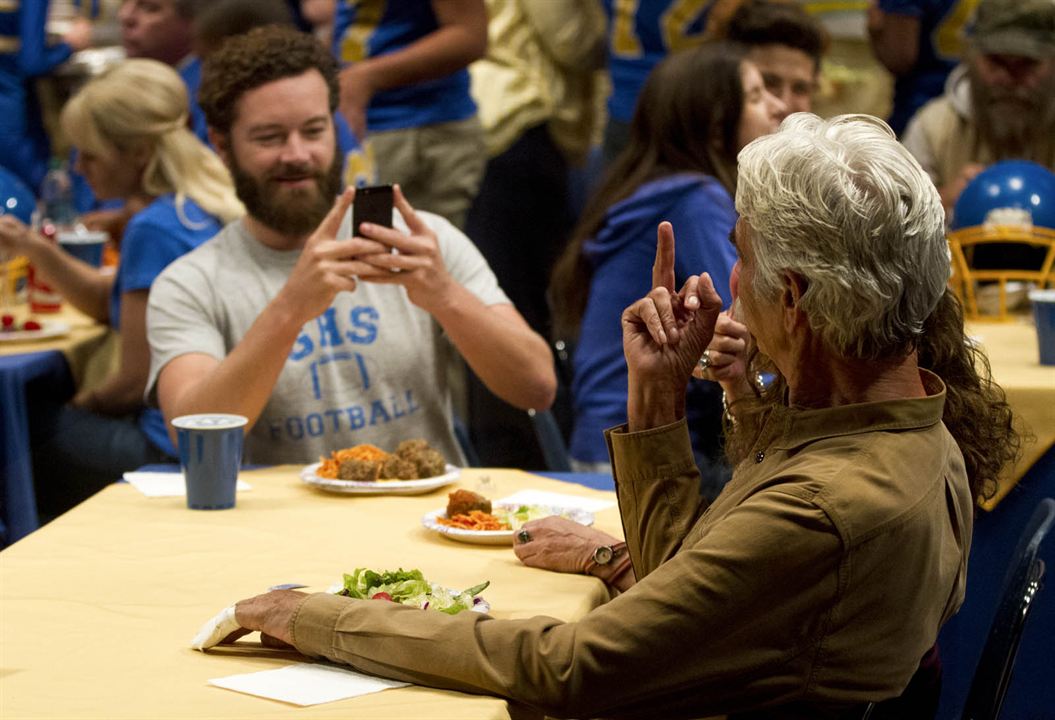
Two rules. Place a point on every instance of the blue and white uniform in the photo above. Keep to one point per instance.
(368, 28)
(640, 34)
(24, 55)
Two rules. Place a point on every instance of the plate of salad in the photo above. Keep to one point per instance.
(497, 527)
(409, 587)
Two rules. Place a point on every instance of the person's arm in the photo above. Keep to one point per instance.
(501, 348)
(122, 391)
(895, 39)
(242, 382)
(678, 643)
(460, 39)
(83, 286)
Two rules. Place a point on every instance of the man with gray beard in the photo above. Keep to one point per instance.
(998, 105)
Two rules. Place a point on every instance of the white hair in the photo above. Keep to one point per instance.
(842, 204)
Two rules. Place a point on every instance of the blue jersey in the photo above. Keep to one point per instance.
(941, 38)
(154, 237)
(621, 254)
(368, 28)
(24, 55)
(640, 34)
(190, 71)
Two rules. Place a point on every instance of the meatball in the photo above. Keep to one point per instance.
(462, 502)
(359, 470)
(397, 468)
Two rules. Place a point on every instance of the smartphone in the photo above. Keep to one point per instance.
(372, 205)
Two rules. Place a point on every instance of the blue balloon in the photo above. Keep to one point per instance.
(15, 198)
(1010, 192)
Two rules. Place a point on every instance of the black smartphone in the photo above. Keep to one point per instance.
(372, 205)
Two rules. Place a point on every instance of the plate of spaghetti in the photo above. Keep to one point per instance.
(413, 468)
(497, 527)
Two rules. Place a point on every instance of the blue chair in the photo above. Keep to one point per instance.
(1021, 585)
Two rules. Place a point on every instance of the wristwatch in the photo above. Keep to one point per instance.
(604, 554)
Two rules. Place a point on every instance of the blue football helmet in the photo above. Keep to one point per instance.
(1002, 237)
(15, 198)
(1010, 192)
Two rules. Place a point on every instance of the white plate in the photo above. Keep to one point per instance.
(494, 537)
(48, 329)
(381, 487)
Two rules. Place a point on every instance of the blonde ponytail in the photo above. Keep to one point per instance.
(141, 106)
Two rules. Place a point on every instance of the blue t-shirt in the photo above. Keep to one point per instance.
(154, 237)
(368, 28)
(941, 28)
(24, 55)
(622, 254)
(642, 33)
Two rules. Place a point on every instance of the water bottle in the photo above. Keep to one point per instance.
(56, 200)
(56, 213)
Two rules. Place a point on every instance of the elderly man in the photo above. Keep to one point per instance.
(323, 343)
(817, 579)
(998, 105)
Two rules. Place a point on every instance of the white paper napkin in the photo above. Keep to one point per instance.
(166, 484)
(306, 684)
(541, 497)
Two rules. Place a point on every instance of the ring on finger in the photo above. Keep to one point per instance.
(705, 361)
(524, 536)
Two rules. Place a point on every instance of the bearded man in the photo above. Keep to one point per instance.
(998, 105)
(323, 343)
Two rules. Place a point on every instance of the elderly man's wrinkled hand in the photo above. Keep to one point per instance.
(271, 614)
(725, 359)
(560, 544)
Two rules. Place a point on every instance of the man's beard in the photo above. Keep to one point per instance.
(290, 211)
(1014, 123)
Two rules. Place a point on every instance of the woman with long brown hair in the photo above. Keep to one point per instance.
(695, 112)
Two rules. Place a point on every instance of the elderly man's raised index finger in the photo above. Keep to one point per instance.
(663, 269)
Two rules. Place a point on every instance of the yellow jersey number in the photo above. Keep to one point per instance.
(674, 24)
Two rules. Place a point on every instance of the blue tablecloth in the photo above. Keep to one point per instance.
(18, 505)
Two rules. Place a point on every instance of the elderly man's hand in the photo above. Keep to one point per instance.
(418, 266)
(560, 544)
(664, 335)
(725, 359)
(270, 613)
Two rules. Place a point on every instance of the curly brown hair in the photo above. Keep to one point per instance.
(976, 412)
(260, 56)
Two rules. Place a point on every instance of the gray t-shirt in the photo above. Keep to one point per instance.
(370, 369)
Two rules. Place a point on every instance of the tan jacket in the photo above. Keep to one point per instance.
(817, 579)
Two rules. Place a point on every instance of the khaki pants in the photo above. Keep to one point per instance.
(438, 166)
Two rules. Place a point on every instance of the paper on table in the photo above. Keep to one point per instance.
(541, 497)
(306, 684)
(163, 484)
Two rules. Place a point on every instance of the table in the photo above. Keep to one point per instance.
(99, 606)
(1030, 387)
(82, 358)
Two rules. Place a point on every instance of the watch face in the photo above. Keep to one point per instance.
(603, 555)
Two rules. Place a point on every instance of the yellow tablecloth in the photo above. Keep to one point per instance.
(99, 606)
(1030, 388)
(91, 349)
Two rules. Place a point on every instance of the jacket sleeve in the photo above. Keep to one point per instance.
(658, 486)
(35, 56)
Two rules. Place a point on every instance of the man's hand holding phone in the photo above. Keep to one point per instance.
(416, 264)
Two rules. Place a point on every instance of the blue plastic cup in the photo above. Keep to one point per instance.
(210, 452)
(1044, 318)
(86, 245)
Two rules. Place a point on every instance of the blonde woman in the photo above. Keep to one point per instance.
(130, 128)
